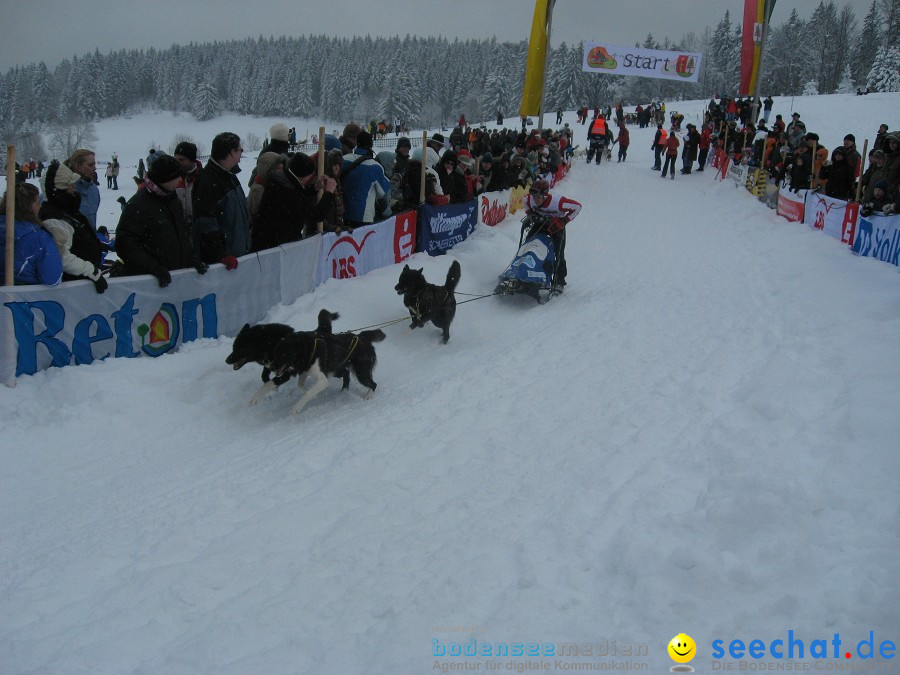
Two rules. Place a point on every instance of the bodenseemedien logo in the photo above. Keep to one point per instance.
(682, 649)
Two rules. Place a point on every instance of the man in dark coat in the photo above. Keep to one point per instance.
(289, 203)
(839, 174)
(221, 216)
(453, 182)
(152, 236)
(691, 145)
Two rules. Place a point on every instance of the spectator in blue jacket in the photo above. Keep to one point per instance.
(84, 163)
(367, 190)
(221, 216)
(36, 259)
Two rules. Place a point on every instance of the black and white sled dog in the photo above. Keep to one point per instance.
(256, 344)
(322, 354)
(429, 302)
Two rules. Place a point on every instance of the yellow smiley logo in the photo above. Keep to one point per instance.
(682, 648)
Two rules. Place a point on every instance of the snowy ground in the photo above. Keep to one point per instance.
(700, 436)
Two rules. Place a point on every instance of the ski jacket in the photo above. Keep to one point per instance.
(153, 235)
(839, 175)
(37, 260)
(79, 247)
(672, 144)
(90, 200)
(285, 208)
(597, 130)
(557, 207)
(363, 185)
(221, 216)
(660, 138)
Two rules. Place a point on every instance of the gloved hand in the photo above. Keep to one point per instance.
(557, 224)
(201, 267)
(100, 284)
(230, 262)
(163, 277)
(888, 209)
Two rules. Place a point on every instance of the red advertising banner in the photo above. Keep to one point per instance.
(790, 205)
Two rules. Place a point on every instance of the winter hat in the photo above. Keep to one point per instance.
(332, 142)
(351, 132)
(487, 158)
(65, 177)
(878, 154)
(881, 184)
(437, 139)
(187, 150)
(164, 169)
(364, 140)
(796, 114)
(301, 165)
(279, 132)
(265, 162)
(811, 136)
(850, 137)
(387, 160)
(450, 156)
(403, 142)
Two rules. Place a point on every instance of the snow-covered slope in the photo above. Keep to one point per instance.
(698, 437)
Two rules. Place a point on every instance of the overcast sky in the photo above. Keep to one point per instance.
(51, 30)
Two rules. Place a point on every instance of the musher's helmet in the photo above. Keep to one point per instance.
(540, 187)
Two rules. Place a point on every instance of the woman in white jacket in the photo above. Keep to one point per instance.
(78, 245)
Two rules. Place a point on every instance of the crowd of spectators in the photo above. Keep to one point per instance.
(186, 214)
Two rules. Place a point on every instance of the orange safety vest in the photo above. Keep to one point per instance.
(662, 137)
(598, 127)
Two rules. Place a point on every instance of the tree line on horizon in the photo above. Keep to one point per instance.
(428, 81)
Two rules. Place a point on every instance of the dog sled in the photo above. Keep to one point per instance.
(533, 269)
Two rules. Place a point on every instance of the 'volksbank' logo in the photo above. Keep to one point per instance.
(158, 336)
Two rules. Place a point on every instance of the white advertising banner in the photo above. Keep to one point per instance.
(738, 173)
(834, 217)
(69, 324)
(657, 63)
(493, 207)
(353, 254)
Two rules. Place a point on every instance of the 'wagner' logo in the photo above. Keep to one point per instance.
(441, 223)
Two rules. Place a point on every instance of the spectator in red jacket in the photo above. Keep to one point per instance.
(622, 139)
(705, 140)
(672, 144)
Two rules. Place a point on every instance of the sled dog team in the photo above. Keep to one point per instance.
(284, 353)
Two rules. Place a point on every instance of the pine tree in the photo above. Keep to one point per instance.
(205, 104)
(846, 86)
(885, 73)
(867, 45)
